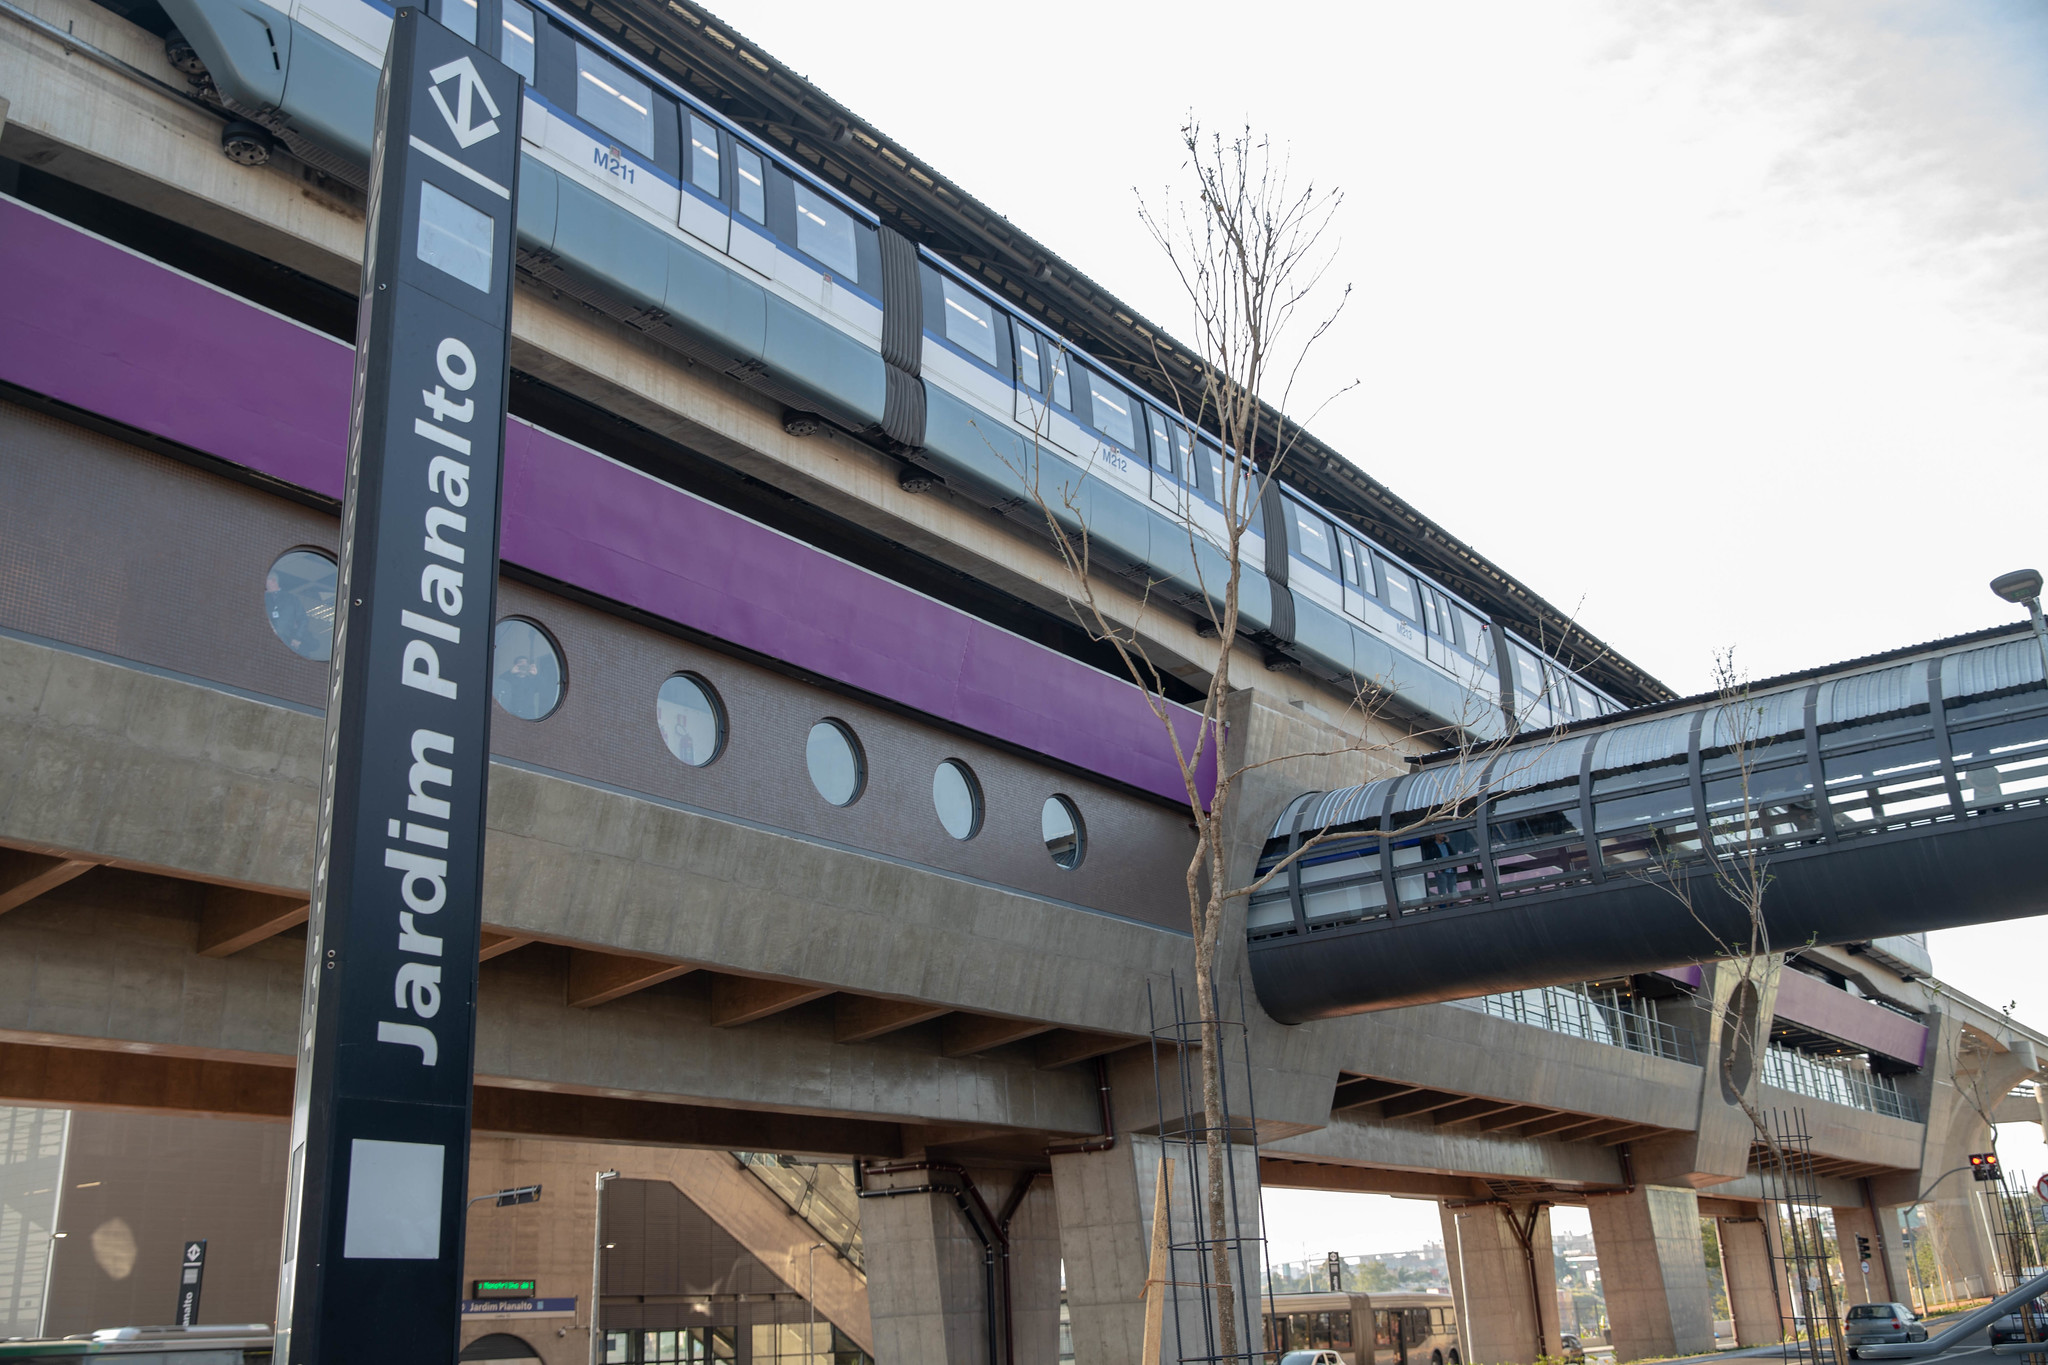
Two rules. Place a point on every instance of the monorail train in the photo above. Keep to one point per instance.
(649, 206)
(1364, 1329)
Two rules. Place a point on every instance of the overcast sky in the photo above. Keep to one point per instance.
(1716, 324)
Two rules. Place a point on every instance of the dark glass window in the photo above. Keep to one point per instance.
(704, 158)
(1316, 538)
(970, 322)
(753, 184)
(1400, 590)
(614, 101)
(1111, 408)
(1031, 349)
(824, 232)
(526, 670)
(298, 599)
(516, 38)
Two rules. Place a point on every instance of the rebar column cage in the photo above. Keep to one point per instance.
(2019, 1238)
(1811, 1320)
(1194, 1337)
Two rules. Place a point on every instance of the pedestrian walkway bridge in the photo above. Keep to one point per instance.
(1886, 796)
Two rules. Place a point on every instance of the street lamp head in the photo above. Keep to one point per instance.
(2019, 587)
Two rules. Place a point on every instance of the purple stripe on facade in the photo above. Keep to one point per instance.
(105, 330)
(1816, 1005)
(1691, 975)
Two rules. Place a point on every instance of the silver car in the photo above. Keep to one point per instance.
(1872, 1324)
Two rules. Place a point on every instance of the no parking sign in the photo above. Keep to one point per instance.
(2041, 1189)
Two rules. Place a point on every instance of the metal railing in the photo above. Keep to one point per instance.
(821, 1193)
(1598, 1016)
(1838, 1080)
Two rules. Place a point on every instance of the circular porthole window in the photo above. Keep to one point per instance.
(1065, 837)
(691, 718)
(833, 755)
(298, 597)
(956, 796)
(526, 669)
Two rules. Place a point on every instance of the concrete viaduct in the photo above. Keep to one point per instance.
(683, 962)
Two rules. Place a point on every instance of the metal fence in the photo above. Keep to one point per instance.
(1599, 1016)
(1839, 1080)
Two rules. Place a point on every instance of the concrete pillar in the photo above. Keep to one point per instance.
(928, 1274)
(1035, 1276)
(1862, 1282)
(1105, 1204)
(1653, 1269)
(1752, 1280)
(1504, 1317)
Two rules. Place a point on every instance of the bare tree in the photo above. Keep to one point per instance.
(1250, 252)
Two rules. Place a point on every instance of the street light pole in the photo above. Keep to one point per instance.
(811, 1297)
(597, 1262)
(2022, 588)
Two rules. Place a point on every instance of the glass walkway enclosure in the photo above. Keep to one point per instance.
(1888, 795)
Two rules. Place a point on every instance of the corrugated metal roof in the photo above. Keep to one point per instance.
(1863, 695)
(1649, 741)
(1754, 719)
(1340, 807)
(1443, 786)
(1526, 767)
(1999, 668)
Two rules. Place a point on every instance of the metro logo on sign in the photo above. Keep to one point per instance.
(469, 92)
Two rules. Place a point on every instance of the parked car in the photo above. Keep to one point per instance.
(2013, 1326)
(1872, 1324)
(1570, 1348)
(1311, 1358)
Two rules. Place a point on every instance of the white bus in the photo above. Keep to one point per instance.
(1364, 1329)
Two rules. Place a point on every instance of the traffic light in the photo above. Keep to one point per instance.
(1984, 1165)
(1863, 1248)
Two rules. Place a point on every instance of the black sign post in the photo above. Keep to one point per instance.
(190, 1274)
(372, 1266)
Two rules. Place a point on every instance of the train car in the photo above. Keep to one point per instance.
(1364, 1329)
(646, 204)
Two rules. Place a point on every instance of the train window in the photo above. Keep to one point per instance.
(1528, 673)
(459, 18)
(690, 718)
(956, 796)
(1347, 560)
(703, 152)
(454, 237)
(1183, 453)
(1162, 444)
(515, 44)
(970, 322)
(1066, 839)
(838, 768)
(1111, 409)
(616, 102)
(1314, 534)
(1588, 704)
(1030, 359)
(1400, 589)
(824, 232)
(298, 597)
(1476, 638)
(526, 669)
(752, 183)
(1062, 382)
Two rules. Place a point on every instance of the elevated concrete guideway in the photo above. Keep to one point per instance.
(1887, 796)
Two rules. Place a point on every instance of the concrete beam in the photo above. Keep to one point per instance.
(603, 1118)
(24, 876)
(1512, 1117)
(496, 943)
(1310, 1175)
(1064, 1047)
(1559, 1125)
(863, 1018)
(1471, 1111)
(598, 978)
(33, 1074)
(1361, 1090)
(967, 1034)
(737, 1000)
(1421, 1102)
(231, 918)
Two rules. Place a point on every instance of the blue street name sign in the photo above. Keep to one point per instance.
(372, 1258)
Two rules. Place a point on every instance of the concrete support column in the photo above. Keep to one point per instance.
(1752, 1280)
(927, 1273)
(1035, 1276)
(1506, 1294)
(1653, 1269)
(1105, 1204)
(1861, 1282)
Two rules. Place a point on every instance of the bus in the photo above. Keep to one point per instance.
(1365, 1329)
